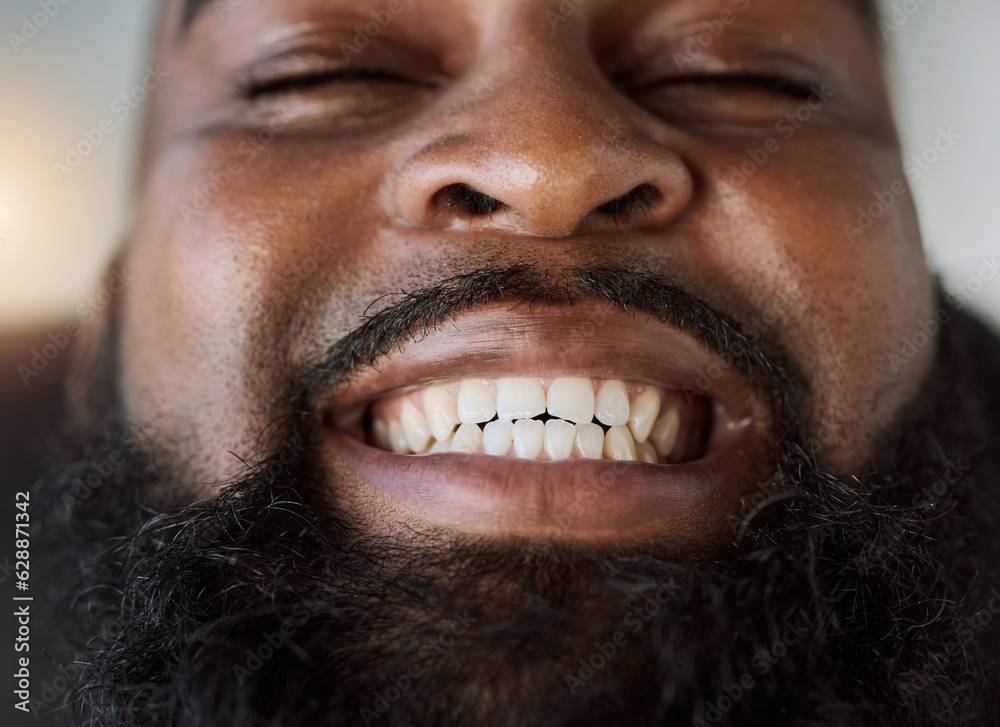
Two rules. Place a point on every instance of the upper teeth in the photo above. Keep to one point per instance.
(612, 403)
(441, 411)
(572, 400)
(520, 398)
(447, 417)
(476, 403)
(642, 414)
(415, 427)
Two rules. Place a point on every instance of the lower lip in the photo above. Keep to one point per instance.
(573, 497)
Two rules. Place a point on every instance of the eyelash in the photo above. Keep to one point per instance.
(776, 84)
(253, 90)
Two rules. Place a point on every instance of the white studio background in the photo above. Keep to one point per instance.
(945, 65)
(56, 235)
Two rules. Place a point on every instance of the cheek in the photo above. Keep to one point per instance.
(231, 252)
(839, 300)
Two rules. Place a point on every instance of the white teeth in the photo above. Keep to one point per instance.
(441, 411)
(559, 436)
(619, 444)
(527, 438)
(468, 439)
(646, 452)
(664, 433)
(498, 438)
(529, 435)
(520, 398)
(380, 434)
(611, 407)
(397, 437)
(476, 402)
(572, 399)
(646, 429)
(442, 446)
(642, 414)
(589, 442)
(415, 426)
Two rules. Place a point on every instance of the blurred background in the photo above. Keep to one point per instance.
(59, 225)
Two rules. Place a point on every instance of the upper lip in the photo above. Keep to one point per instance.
(585, 340)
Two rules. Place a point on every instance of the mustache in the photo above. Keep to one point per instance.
(419, 312)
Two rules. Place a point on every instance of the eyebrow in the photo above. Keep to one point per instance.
(192, 8)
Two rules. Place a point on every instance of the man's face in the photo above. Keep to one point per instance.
(529, 359)
(312, 162)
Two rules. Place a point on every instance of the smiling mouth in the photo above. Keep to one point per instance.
(524, 421)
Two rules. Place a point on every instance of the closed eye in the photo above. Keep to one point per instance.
(737, 81)
(257, 88)
(725, 102)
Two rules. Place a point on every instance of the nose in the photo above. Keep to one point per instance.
(546, 154)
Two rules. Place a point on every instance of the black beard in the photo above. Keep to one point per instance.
(846, 601)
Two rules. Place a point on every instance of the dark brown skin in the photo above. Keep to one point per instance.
(552, 122)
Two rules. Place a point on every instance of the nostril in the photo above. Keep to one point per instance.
(470, 200)
(639, 199)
